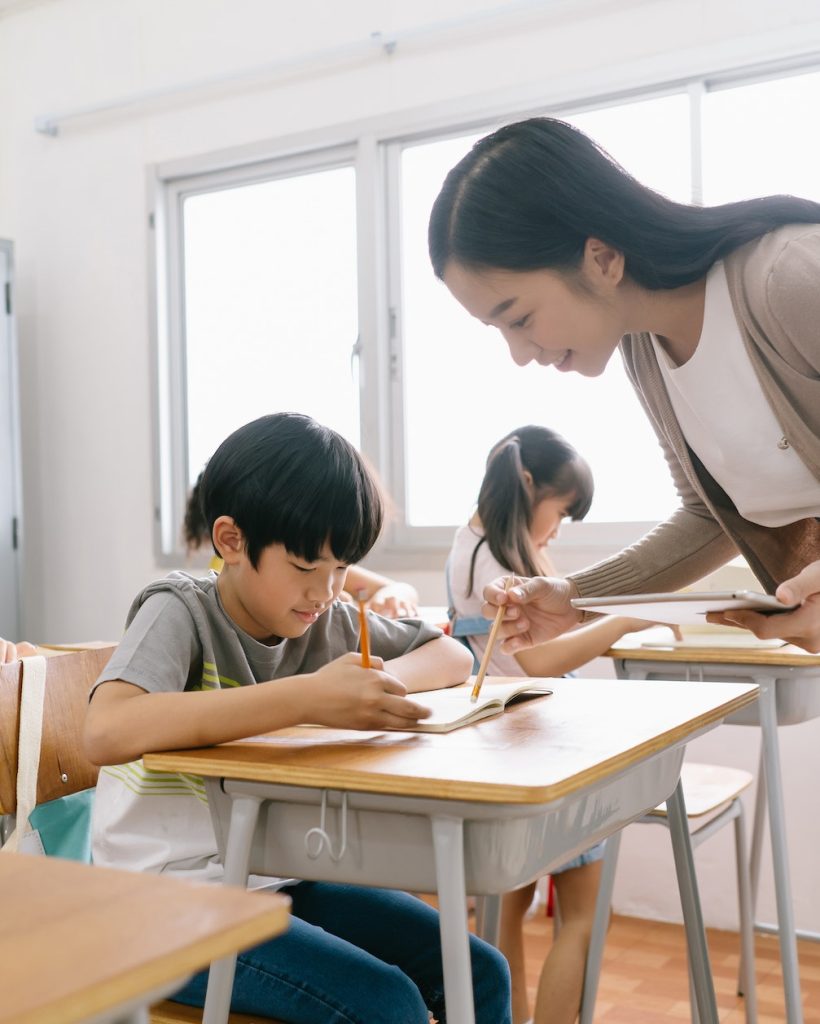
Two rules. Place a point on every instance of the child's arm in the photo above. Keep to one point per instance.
(392, 598)
(124, 721)
(438, 663)
(570, 651)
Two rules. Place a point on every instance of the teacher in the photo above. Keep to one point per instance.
(716, 311)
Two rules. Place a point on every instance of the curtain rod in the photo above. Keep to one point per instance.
(377, 46)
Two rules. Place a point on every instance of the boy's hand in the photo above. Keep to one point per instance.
(344, 695)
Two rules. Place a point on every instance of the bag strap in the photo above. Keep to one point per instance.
(32, 698)
(462, 626)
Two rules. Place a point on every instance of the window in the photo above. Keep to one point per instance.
(758, 140)
(267, 313)
(270, 305)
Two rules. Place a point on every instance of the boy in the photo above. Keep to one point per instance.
(289, 504)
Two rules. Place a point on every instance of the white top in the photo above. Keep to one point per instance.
(466, 606)
(730, 425)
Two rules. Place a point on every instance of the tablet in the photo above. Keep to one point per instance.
(681, 609)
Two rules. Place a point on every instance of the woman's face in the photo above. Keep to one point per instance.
(543, 318)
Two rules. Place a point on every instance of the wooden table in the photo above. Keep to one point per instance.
(481, 810)
(789, 681)
(90, 944)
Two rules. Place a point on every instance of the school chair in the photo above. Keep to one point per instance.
(708, 790)
(63, 770)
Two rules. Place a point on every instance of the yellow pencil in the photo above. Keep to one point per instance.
(488, 650)
(365, 636)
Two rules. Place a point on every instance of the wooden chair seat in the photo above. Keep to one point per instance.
(708, 787)
(168, 1012)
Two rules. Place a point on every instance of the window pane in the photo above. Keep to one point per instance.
(758, 140)
(462, 390)
(270, 305)
(650, 139)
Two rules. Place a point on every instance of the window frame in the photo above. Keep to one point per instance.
(373, 147)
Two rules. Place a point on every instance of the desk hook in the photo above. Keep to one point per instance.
(321, 835)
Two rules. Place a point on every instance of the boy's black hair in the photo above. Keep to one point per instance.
(286, 479)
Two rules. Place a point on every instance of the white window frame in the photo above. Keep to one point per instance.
(374, 148)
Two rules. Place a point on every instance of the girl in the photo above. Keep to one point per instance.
(540, 233)
(533, 480)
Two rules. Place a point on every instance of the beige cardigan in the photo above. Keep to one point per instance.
(774, 283)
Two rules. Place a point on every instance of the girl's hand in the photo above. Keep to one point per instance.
(537, 610)
(395, 601)
(631, 625)
(13, 652)
(800, 627)
(344, 695)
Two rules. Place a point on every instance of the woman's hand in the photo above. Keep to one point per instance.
(344, 695)
(800, 627)
(537, 610)
(13, 652)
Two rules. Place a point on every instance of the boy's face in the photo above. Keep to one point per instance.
(284, 595)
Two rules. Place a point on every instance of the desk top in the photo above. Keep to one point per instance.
(789, 656)
(76, 941)
(534, 753)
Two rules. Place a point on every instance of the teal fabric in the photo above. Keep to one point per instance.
(64, 825)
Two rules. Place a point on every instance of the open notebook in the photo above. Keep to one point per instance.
(452, 708)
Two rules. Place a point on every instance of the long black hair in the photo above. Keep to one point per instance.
(507, 499)
(286, 479)
(529, 195)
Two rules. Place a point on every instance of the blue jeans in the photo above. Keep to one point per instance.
(357, 956)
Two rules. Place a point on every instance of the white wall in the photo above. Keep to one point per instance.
(75, 206)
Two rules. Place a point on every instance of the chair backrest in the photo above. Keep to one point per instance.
(70, 673)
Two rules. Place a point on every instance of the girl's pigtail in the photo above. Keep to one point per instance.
(505, 511)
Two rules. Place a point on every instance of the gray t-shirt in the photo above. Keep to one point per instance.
(179, 637)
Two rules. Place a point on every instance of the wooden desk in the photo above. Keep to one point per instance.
(480, 810)
(789, 681)
(80, 943)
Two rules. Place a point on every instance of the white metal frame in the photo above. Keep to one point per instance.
(11, 530)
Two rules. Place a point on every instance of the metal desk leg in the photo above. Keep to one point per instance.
(747, 920)
(690, 902)
(780, 855)
(488, 918)
(758, 825)
(603, 903)
(448, 846)
(244, 815)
